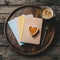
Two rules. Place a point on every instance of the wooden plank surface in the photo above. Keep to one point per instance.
(19, 2)
(3, 17)
(7, 9)
(6, 53)
(8, 6)
(10, 9)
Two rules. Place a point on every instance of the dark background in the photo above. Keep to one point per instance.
(6, 7)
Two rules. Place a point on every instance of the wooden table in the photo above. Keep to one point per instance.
(6, 7)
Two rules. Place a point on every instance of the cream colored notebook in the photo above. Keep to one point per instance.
(20, 25)
(21, 20)
(26, 36)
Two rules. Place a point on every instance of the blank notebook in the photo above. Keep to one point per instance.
(21, 22)
(14, 27)
(34, 22)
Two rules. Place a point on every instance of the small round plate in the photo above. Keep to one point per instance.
(29, 49)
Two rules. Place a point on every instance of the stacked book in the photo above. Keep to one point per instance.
(26, 29)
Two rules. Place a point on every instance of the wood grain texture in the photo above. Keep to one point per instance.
(6, 7)
(3, 17)
(10, 9)
(7, 53)
(19, 2)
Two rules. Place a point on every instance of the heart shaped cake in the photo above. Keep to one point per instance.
(33, 30)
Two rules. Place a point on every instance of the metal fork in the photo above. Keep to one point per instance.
(46, 29)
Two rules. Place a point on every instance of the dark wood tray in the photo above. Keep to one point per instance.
(29, 49)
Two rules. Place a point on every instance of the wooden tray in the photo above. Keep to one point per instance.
(29, 49)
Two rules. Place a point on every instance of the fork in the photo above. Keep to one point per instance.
(46, 29)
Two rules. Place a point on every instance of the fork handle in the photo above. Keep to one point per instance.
(42, 42)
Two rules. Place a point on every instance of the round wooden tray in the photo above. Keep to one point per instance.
(29, 49)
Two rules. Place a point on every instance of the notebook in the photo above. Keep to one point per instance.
(21, 21)
(26, 36)
(14, 27)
